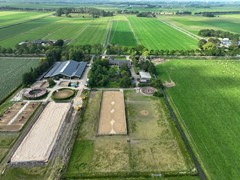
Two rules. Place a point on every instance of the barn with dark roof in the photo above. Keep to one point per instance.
(67, 69)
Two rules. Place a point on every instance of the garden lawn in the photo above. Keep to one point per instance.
(206, 98)
(153, 34)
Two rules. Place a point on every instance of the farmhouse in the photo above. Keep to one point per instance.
(67, 69)
(144, 76)
(119, 63)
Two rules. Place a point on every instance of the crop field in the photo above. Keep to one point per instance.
(15, 17)
(196, 23)
(154, 34)
(77, 30)
(122, 34)
(206, 98)
(152, 146)
(12, 70)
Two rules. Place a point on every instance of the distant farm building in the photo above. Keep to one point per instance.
(144, 76)
(119, 63)
(68, 69)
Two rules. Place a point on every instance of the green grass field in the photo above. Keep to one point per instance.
(206, 98)
(154, 34)
(152, 139)
(77, 30)
(196, 23)
(15, 17)
(122, 34)
(12, 70)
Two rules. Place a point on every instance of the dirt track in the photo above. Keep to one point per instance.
(112, 116)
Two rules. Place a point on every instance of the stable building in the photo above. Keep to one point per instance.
(67, 69)
(144, 76)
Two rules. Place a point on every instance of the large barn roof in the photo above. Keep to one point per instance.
(69, 68)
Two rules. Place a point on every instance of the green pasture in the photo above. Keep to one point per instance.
(95, 32)
(14, 17)
(206, 99)
(77, 30)
(154, 34)
(122, 34)
(196, 23)
(151, 139)
(12, 70)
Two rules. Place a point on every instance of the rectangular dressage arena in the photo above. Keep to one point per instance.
(112, 118)
(39, 142)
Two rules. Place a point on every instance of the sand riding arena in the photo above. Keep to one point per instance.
(39, 142)
(112, 118)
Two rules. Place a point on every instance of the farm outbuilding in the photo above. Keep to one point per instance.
(119, 63)
(145, 76)
(67, 69)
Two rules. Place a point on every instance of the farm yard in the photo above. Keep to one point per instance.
(12, 70)
(122, 34)
(206, 99)
(154, 34)
(196, 23)
(153, 145)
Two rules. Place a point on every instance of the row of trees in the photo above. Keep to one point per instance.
(209, 49)
(92, 11)
(104, 75)
(146, 14)
(218, 33)
(80, 52)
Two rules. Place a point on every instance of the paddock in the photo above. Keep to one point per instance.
(15, 117)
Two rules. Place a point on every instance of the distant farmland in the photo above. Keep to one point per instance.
(12, 70)
(196, 23)
(122, 34)
(154, 34)
(78, 30)
(15, 17)
(207, 98)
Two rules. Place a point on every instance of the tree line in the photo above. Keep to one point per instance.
(91, 11)
(218, 33)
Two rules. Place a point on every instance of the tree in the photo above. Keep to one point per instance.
(201, 43)
(51, 82)
(59, 12)
(59, 43)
